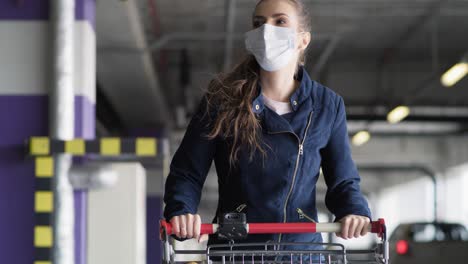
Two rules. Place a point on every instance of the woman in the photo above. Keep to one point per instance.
(269, 129)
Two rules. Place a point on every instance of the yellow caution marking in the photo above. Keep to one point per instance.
(42, 262)
(44, 167)
(146, 147)
(43, 236)
(110, 146)
(75, 146)
(44, 202)
(39, 146)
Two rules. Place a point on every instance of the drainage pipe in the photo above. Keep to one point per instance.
(61, 125)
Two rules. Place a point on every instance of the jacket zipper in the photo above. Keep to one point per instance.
(300, 153)
(303, 215)
(240, 208)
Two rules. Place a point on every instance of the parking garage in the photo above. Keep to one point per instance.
(99, 100)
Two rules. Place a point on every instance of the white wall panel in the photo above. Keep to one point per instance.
(25, 55)
(117, 219)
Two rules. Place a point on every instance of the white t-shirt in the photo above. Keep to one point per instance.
(280, 108)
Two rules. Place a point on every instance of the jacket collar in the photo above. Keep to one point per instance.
(301, 94)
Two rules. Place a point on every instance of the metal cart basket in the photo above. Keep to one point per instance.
(274, 252)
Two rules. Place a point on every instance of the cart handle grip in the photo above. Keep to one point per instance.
(377, 227)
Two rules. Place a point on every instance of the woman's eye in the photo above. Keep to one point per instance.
(256, 24)
(281, 22)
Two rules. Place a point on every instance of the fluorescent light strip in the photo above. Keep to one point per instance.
(454, 74)
(361, 138)
(397, 114)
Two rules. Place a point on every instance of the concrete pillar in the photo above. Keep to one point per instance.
(25, 72)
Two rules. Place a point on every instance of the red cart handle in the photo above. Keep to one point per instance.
(377, 227)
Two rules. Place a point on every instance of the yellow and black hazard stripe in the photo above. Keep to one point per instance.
(43, 209)
(110, 146)
(42, 148)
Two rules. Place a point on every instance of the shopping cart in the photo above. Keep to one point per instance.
(233, 226)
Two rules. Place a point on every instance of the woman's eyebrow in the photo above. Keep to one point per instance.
(274, 15)
(279, 14)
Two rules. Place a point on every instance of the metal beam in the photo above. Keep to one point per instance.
(325, 56)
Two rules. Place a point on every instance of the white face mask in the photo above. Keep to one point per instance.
(272, 46)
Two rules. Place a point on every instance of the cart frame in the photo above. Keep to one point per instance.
(278, 252)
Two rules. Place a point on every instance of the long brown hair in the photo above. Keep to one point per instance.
(232, 95)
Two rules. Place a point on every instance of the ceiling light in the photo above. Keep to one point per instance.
(397, 114)
(454, 74)
(361, 138)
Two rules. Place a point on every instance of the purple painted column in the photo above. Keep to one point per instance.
(153, 244)
(20, 118)
(24, 113)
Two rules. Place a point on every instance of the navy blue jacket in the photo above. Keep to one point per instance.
(272, 188)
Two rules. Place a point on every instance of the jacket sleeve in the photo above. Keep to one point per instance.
(343, 195)
(189, 166)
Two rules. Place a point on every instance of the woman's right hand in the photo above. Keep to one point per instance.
(188, 226)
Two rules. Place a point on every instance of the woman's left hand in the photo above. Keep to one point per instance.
(353, 226)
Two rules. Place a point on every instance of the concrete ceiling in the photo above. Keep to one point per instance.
(380, 51)
(125, 70)
(368, 26)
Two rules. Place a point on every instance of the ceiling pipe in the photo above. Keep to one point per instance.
(155, 21)
(417, 129)
(93, 176)
(229, 41)
(423, 169)
(418, 113)
(61, 126)
(187, 37)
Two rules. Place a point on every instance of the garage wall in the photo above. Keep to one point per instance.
(406, 202)
(454, 207)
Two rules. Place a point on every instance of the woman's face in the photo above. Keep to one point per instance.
(281, 13)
